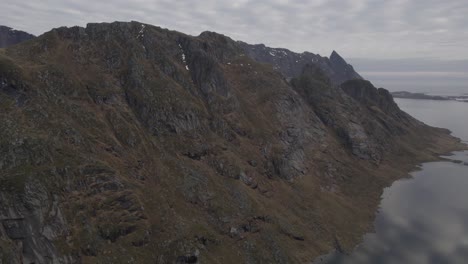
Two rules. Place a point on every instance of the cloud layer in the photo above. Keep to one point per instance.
(356, 28)
(426, 75)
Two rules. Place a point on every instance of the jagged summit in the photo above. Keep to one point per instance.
(345, 71)
(10, 36)
(335, 57)
(334, 54)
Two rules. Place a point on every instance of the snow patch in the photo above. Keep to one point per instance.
(141, 33)
(184, 57)
(142, 29)
(275, 53)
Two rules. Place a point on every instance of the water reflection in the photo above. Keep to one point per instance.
(448, 114)
(423, 219)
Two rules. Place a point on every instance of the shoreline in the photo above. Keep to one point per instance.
(437, 155)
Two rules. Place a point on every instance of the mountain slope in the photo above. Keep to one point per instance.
(125, 142)
(9, 36)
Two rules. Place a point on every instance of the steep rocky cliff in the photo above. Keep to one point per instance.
(128, 143)
(9, 36)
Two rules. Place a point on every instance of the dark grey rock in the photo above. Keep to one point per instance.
(35, 220)
(186, 259)
(253, 163)
(9, 36)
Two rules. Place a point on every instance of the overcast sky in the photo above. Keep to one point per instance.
(419, 45)
(355, 28)
(434, 76)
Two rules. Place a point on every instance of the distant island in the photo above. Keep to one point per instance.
(423, 96)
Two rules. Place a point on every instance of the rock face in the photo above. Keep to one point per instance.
(9, 36)
(342, 71)
(364, 118)
(128, 143)
(291, 64)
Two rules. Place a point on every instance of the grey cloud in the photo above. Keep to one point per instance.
(356, 28)
(427, 75)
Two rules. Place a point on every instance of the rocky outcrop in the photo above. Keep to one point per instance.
(9, 36)
(290, 64)
(364, 92)
(366, 131)
(129, 143)
(31, 221)
(342, 71)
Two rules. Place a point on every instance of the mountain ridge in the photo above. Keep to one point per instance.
(10, 36)
(335, 67)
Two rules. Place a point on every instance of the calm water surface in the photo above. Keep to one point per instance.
(423, 219)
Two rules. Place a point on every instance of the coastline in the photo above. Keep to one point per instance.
(443, 145)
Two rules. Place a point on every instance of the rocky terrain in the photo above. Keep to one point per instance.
(9, 36)
(129, 143)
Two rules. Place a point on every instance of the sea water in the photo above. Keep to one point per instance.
(423, 219)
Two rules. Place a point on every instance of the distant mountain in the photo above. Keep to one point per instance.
(423, 96)
(9, 36)
(291, 64)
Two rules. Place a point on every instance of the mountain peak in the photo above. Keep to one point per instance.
(345, 70)
(10, 36)
(334, 56)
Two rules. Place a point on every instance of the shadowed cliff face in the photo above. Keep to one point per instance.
(365, 118)
(9, 36)
(125, 142)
